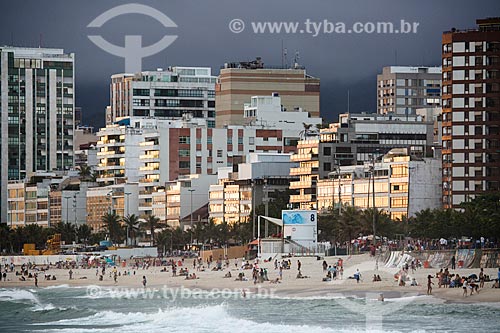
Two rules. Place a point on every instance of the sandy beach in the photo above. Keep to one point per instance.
(290, 286)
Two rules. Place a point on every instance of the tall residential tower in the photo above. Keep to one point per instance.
(471, 112)
(37, 113)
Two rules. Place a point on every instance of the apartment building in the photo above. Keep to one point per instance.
(404, 89)
(166, 94)
(238, 82)
(471, 112)
(37, 118)
(235, 195)
(399, 185)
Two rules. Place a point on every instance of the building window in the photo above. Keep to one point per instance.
(399, 202)
(183, 152)
(251, 140)
(184, 139)
(327, 151)
(219, 153)
(141, 92)
(184, 164)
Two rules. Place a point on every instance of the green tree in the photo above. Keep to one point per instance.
(133, 224)
(67, 231)
(113, 226)
(83, 233)
(152, 222)
(163, 240)
(85, 172)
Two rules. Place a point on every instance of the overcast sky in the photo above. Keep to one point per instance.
(342, 62)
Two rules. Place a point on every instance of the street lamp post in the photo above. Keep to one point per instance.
(48, 206)
(127, 194)
(253, 208)
(339, 192)
(191, 219)
(266, 209)
(74, 206)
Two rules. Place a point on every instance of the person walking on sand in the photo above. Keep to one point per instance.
(429, 284)
(481, 279)
(464, 287)
(453, 262)
(36, 280)
(299, 265)
(144, 281)
(357, 275)
(70, 274)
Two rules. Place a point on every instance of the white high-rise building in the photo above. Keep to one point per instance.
(168, 94)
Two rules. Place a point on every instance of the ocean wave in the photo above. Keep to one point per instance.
(59, 286)
(213, 318)
(328, 296)
(18, 295)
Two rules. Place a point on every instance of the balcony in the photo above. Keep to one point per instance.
(302, 184)
(149, 156)
(302, 198)
(303, 171)
(303, 157)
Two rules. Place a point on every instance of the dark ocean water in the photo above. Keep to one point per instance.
(65, 309)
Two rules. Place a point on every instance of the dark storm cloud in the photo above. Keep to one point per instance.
(341, 61)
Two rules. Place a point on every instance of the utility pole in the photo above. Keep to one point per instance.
(374, 216)
(127, 194)
(191, 219)
(266, 208)
(252, 182)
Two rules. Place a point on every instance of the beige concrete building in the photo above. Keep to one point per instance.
(238, 82)
(403, 186)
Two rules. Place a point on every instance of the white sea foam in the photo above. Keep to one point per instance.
(18, 295)
(45, 307)
(196, 319)
(59, 286)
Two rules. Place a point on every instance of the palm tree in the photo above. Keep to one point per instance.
(85, 172)
(132, 225)
(349, 223)
(151, 224)
(305, 132)
(112, 226)
(163, 240)
(5, 232)
(67, 231)
(83, 233)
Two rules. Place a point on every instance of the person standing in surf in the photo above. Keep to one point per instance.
(144, 281)
(429, 284)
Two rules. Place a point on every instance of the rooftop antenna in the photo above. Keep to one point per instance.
(395, 57)
(296, 59)
(40, 41)
(12, 38)
(348, 101)
(285, 58)
(282, 56)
